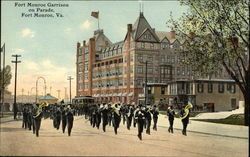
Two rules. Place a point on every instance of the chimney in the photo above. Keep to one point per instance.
(78, 45)
(172, 35)
(129, 27)
(191, 35)
(84, 43)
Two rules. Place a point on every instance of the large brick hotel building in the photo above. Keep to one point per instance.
(115, 72)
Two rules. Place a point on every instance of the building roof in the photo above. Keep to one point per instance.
(48, 97)
(141, 25)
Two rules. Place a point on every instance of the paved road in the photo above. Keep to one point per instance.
(88, 141)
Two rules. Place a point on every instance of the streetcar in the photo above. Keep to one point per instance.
(83, 101)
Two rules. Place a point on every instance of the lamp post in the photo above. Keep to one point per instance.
(15, 105)
(40, 77)
(70, 78)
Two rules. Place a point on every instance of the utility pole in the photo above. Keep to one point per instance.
(65, 94)
(2, 78)
(58, 94)
(15, 61)
(70, 78)
(22, 94)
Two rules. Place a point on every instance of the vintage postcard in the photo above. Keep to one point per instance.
(124, 78)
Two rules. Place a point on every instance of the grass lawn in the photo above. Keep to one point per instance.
(235, 119)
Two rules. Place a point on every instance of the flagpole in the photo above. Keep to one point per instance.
(98, 20)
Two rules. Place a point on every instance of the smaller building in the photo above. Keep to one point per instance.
(205, 94)
(48, 99)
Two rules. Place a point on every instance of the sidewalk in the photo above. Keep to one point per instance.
(233, 131)
(9, 119)
(218, 115)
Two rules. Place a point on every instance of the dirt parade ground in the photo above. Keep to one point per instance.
(88, 141)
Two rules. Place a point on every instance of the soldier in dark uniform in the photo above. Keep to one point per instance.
(98, 116)
(58, 118)
(148, 119)
(25, 117)
(109, 114)
(104, 112)
(64, 118)
(185, 120)
(129, 116)
(171, 115)
(70, 119)
(29, 116)
(139, 117)
(155, 113)
(116, 118)
(37, 119)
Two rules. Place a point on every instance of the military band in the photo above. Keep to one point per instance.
(103, 115)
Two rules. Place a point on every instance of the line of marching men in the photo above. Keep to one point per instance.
(60, 114)
(105, 114)
(131, 115)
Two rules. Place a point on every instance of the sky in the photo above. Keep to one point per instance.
(48, 45)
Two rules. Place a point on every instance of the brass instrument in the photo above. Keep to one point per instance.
(186, 110)
(40, 109)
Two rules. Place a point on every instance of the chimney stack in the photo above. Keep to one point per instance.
(172, 35)
(78, 45)
(129, 27)
(84, 43)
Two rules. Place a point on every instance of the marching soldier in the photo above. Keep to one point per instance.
(139, 117)
(148, 119)
(70, 119)
(116, 118)
(185, 112)
(171, 115)
(104, 112)
(98, 116)
(129, 116)
(155, 113)
(37, 117)
(109, 114)
(64, 119)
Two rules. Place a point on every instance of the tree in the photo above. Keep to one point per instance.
(7, 77)
(217, 34)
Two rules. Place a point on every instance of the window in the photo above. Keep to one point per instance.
(162, 90)
(221, 88)
(142, 45)
(173, 59)
(151, 46)
(85, 85)
(231, 87)
(150, 59)
(168, 59)
(80, 86)
(162, 59)
(149, 36)
(131, 58)
(139, 69)
(150, 70)
(145, 36)
(210, 88)
(163, 46)
(86, 67)
(131, 69)
(80, 77)
(183, 70)
(200, 88)
(139, 58)
(178, 71)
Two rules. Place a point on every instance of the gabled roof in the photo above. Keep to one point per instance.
(140, 25)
